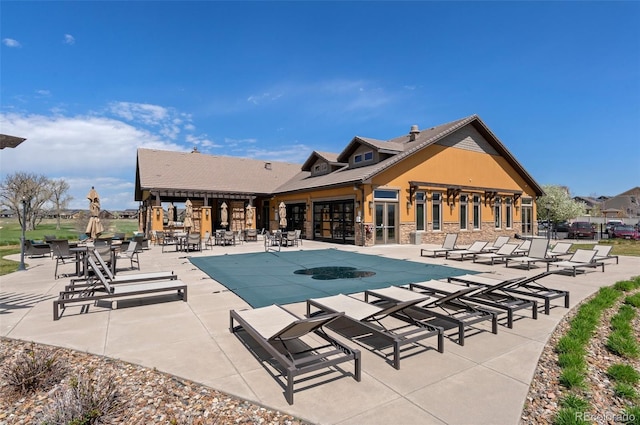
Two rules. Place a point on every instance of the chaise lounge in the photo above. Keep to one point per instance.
(278, 331)
(400, 328)
(100, 289)
(581, 259)
(449, 244)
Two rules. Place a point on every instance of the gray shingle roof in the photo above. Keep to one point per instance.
(200, 172)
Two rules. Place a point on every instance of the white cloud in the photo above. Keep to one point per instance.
(69, 39)
(43, 93)
(296, 153)
(85, 150)
(10, 42)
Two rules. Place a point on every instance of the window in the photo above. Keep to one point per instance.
(367, 156)
(508, 211)
(385, 195)
(420, 211)
(497, 212)
(463, 212)
(476, 212)
(436, 211)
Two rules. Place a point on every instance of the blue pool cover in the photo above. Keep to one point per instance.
(267, 278)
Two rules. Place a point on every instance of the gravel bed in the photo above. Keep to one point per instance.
(145, 396)
(545, 392)
(149, 396)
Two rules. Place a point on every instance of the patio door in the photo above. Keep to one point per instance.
(386, 218)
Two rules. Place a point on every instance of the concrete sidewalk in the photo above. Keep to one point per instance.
(483, 382)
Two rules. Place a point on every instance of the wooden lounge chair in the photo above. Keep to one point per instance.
(448, 245)
(504, 252)
(529, 287)
(278, 331)
(537, 253)
(399, 329)
(603, 252)
(102, 290)
(581, 259)
(460, 254)
(445, 305)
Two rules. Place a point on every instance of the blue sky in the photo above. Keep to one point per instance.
(87, 83)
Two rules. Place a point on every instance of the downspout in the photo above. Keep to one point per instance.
(364, 239)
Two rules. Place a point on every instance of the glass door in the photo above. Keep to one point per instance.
(385, 220)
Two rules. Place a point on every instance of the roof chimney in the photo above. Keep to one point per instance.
(413, 133)
(267, 165)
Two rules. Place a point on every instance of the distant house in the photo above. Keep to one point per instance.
(627, 203)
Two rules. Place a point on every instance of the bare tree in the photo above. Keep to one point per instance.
(33, 189)
(60, 198)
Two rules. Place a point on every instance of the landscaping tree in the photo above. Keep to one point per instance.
(59, 198)
(34, 189)
(556, 205)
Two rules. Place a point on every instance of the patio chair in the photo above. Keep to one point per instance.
(193, 242)
(62, 254)
(448, 245)
(279, 332)
(523, 286)
(229, 238)
(102, 290)
(582, 258)
(132, 254)
(505, 251)
(475, 248)
(403, 331)
(120, 279)
(251, 235)
(603, 252)
(290, 239)
(537, 254)
(500, 240)
(298, 234)
(445, 305)
(560, 250)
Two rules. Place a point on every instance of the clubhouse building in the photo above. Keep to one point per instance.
(457, 177)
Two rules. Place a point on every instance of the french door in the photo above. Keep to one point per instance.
(386, 218)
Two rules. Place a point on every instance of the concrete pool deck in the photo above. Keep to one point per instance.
(483, 382)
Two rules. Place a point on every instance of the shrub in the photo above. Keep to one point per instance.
(572, 360)
(632, 416)
(83, 401)
(573, 401)
(623, 344)
(633, 300)
(33, 369)
(567, 344)
(625, 285)
(570, 416)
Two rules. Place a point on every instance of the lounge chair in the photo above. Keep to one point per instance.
(523, 249)
(523, 286)
(537, 253)
(102, 290)
(475, 248)
(193, 242)
(500, 240)
(560, 250)
(446, 305)
(604, 253)
(448, 245)
(504, 252)
(582, 258)
(83, 282)
(277, 331)
(404, 330)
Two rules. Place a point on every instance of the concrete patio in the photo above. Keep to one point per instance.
(483, 382)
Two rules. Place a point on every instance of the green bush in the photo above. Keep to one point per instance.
(632, 416)
(623, 344)
(573, 401)
(572, 378)
(567, 344)
(633, 300)
(625, 285)
(570, 416)
(625, 391)
(572, 360)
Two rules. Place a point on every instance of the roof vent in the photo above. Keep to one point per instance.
(267, 165)
(413, 133)
(195, 150)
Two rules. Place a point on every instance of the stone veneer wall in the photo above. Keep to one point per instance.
(486, 233)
